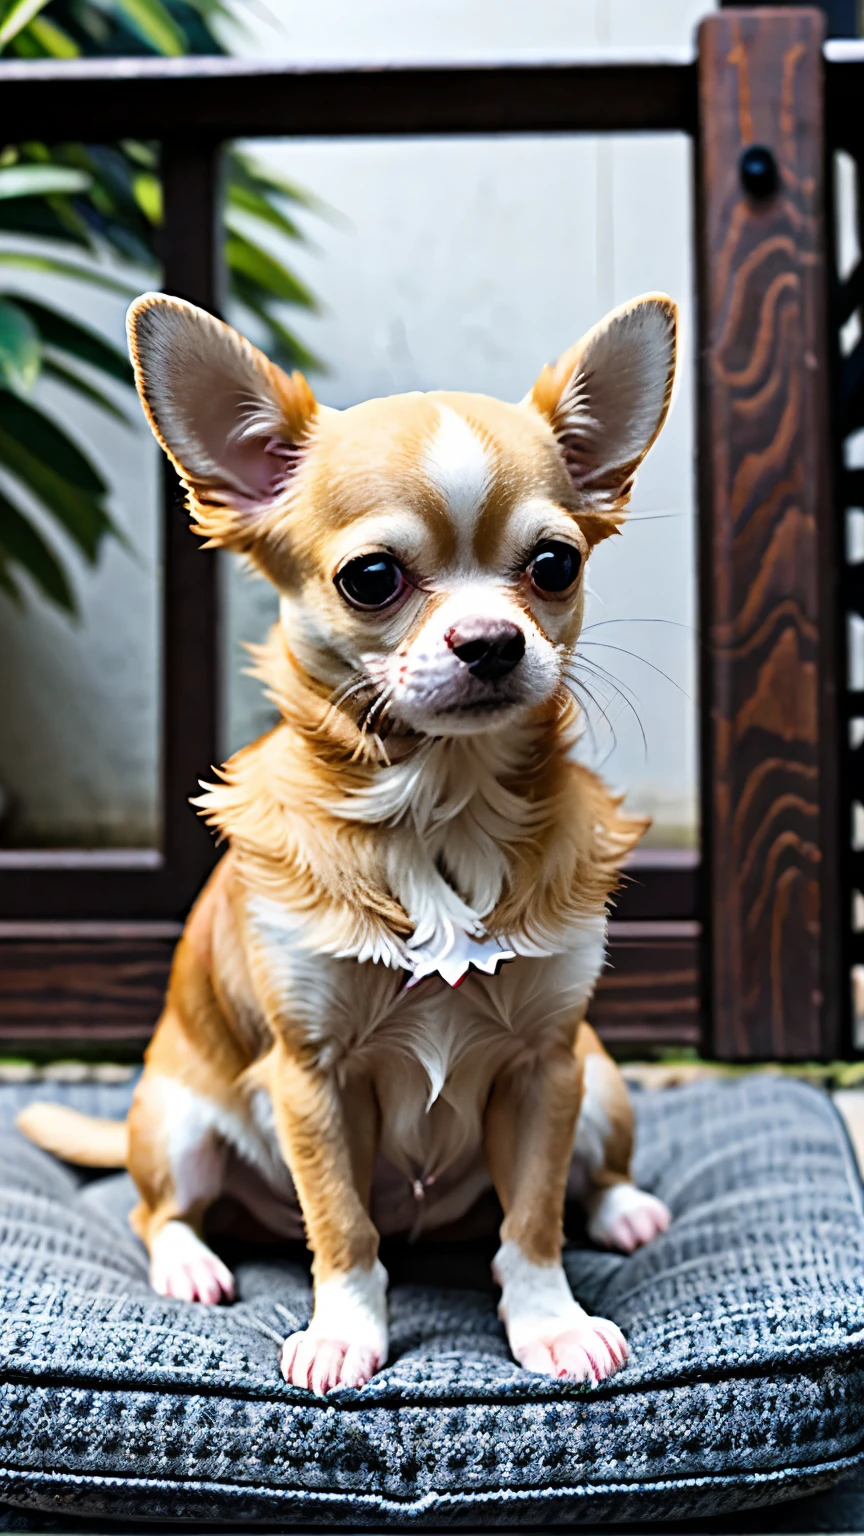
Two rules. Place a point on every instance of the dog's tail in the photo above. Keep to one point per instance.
(75, 1137)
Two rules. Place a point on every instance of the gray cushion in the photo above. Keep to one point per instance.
(746, 1323)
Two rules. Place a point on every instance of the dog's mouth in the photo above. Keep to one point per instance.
(477, 706)
(460, 717)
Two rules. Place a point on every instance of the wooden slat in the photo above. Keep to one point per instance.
(651, 990)
(77, 996)
(67, 888)
(63, 992)
(159, 98)
(765, 507)
(192, 268)
(661, 884)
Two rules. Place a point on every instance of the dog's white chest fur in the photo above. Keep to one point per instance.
(433, 1025)
(449, 826)
(432, 1051)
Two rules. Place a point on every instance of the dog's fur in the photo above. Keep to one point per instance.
(408, 820)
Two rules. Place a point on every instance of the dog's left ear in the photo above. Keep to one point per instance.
(233, 424)
(606, 400)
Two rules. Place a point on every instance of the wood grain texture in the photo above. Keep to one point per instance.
(651, 991)
(63, 993)
(60, 997)
(764, 456)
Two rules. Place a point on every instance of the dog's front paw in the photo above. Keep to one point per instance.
(312, 1360)
(580, 1348)
(626, 1218)
(183, 1267)
(346, 1341)
(548, 1332)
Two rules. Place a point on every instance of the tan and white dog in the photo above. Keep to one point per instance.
(377, 1006)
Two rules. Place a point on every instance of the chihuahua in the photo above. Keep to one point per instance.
(377, 1008)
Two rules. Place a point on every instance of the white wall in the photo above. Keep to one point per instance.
(369, 31)
(79, 700)
(452, 264)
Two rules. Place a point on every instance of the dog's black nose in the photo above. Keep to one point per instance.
(490, 648)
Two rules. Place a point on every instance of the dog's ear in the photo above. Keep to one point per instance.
(233, 424)
(606, 400)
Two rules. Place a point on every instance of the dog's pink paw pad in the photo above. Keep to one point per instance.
(182, 1266)
(588, 1350)
(322, 1364)
(626, 1218)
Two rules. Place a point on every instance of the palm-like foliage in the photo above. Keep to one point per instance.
(72, 207)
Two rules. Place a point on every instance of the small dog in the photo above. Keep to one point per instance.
(377, 1006)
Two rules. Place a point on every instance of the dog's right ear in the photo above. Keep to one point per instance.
(233, 424)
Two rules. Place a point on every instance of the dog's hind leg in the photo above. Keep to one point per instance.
(177, 1159)
(620, 1215)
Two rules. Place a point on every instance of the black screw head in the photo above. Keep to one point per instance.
(758, 171)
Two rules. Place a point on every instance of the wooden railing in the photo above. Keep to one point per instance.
(740, 952)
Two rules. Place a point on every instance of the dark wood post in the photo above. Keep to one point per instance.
(192, 268)
(769, 803)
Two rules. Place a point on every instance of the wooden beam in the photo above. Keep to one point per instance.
(769, 803)
(650, 993)
(160, 98)
(192, 268)
(97, 988)
(73, 995)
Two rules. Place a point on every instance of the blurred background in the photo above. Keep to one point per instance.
(377, 266)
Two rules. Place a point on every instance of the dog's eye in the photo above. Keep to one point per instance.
(554, 566)
(371, 581)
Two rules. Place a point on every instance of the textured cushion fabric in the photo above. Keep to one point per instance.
(746, 1324)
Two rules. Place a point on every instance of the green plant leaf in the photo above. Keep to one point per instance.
(34, 149)
(93, 196)
(259, 207)
(20, 13)
(140, 153)
(22, 544)
(257, 175)
(129, 244)
(7, 582)
(52, 368)
(68, 335)
(56, 43)
(39, 436)
(285, 346)
(25, 180)
(42, 217)
(147, 190)
(81, 515)
(266, 273)
(26, 45)
(20, 348)
(114, 190)
(154, 22)
(28, 261)
(212, 10)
